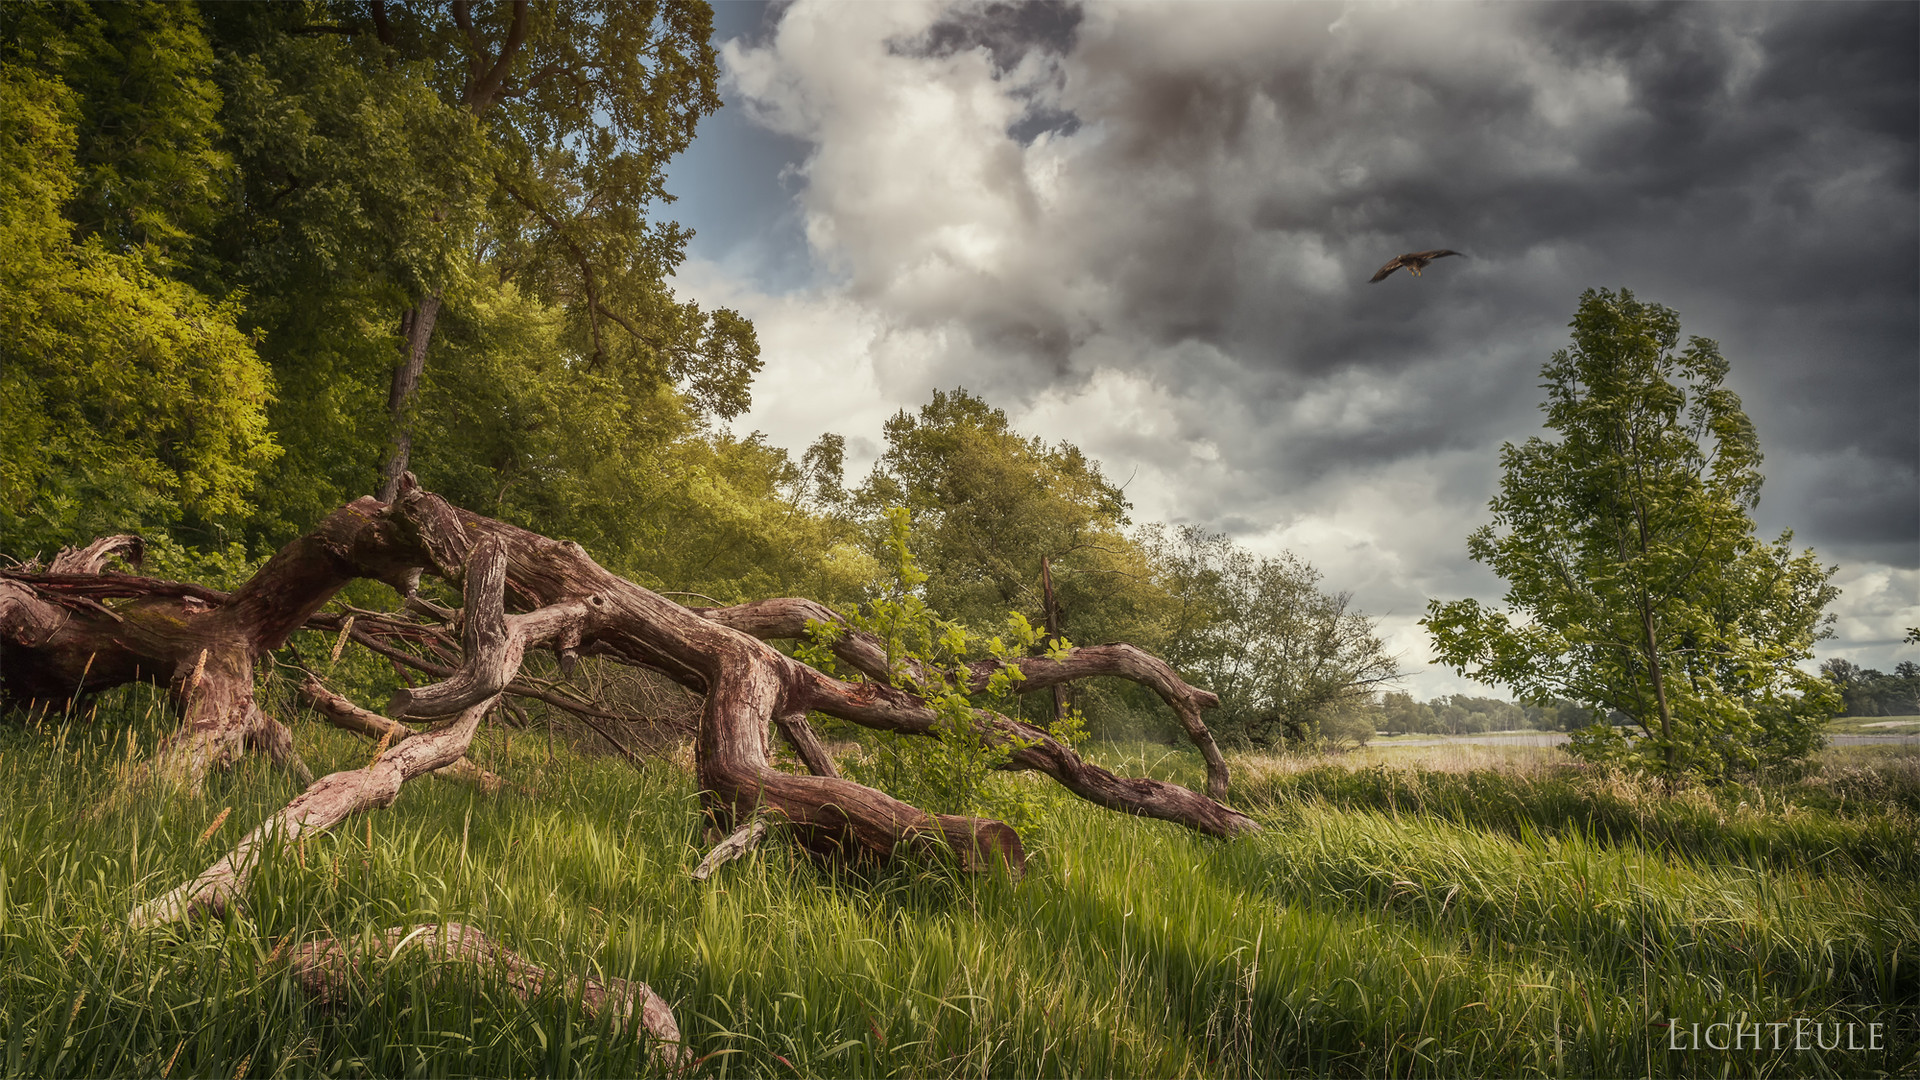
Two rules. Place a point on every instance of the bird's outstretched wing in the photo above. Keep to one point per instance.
(1415, 259)
(1392, 265)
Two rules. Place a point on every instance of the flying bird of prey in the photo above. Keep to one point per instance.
(1414, 261)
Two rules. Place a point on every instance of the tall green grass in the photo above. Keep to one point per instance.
(1388, 922)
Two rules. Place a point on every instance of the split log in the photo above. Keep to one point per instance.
(744, 839)
(328, 969)
(93, 558)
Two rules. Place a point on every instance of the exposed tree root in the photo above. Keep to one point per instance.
(329, 969)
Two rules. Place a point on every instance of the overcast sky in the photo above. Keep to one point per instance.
(1148, 229)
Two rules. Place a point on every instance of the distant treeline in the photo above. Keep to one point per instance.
(1868, 692)
(1463, 714)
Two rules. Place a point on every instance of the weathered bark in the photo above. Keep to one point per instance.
(347, 716)
(744, 839)
(800, 735)
(1052, 613)
(61, 640)
(93, 558)
(323, 805)
(495, 644)
(373, 635)
(416, 327)
(789, 618)
(328, 969)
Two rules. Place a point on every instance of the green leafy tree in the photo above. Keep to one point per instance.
(988, 504)
(1400, 714)
(1867, 692)
(1634, 580)
(360, 192)
(405, 162)
(1286, 656)
(147, 174)
(507, 426)
(1000, 516)
(127, 398)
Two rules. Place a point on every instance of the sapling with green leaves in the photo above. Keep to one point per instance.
(929, 656)
(1635, 583)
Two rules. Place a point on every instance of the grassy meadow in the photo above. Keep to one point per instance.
(1462, 911)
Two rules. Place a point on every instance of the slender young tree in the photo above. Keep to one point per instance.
(1634, 580)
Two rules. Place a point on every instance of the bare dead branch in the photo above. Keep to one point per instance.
(344, 714)
(744, 839)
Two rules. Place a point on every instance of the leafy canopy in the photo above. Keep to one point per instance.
(1634, 580)
(988, 503)
(491, 158)
(127, 395)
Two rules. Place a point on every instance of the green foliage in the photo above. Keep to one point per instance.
(148, 176)
(131, 400)
(988, 503)
(1867, 692)
(1286, 657)
(1465, 714)
(502, 170)
(953, 772)
(1634, 580)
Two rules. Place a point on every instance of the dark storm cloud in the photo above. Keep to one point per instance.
(1754, 168)
(1148, 228)
(1008, 31)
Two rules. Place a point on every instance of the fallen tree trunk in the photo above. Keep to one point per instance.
(60, 640)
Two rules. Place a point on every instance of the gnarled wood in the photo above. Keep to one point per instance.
(332, 798)
(789, 618)
(61, 640)
(93, 558)
(344, 714)
(328, 969)
(323, 805)
(744, 839)
(369, 636)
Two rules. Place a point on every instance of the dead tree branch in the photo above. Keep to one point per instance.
(788, 618)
